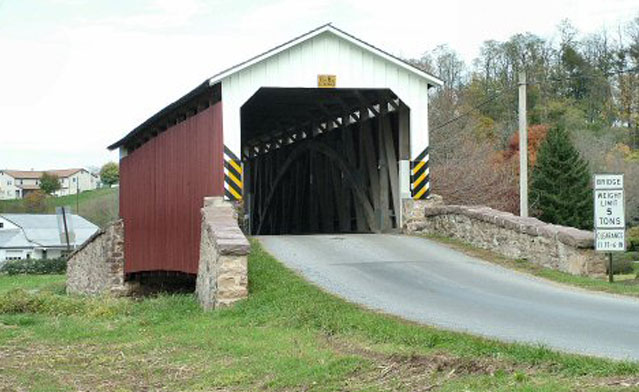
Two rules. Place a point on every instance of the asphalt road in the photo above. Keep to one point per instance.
(424, 281)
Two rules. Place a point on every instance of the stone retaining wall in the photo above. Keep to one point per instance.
(559, 247)
(222, 277)
(98, 266)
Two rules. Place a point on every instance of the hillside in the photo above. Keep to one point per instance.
(99, 206)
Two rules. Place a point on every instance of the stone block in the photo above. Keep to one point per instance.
(563, 248)
(575, 237)
(222, 277)
(97, 268)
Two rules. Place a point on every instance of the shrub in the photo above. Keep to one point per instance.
(621, 266)
(633, 238)
(35, 202)
(34, 267)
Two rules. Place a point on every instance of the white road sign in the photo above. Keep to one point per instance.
(609, 181)
(610, 219)
(612, 240)
(609, 212)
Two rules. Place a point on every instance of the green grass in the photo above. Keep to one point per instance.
(624, 284)
(289, 335)
(48, 283)
(99, 206)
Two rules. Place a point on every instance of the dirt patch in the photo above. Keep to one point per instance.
(91, 368)
(621, 382)
(417, 372)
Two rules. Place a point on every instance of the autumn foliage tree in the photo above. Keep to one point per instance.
(35, 202)
(587, 83)
(536, 135)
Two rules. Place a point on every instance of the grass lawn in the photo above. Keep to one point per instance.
(289, 335)
(624, 284)
(100, 206)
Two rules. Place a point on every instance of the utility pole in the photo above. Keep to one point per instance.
(66, 227)
(77, 197)
(523, 148)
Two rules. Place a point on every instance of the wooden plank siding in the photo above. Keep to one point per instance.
(163, 184)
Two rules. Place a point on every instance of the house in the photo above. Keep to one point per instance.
(16, 184)
(323, 133)
(41, 236)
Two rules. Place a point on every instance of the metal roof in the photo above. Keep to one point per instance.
(42, 229)
(215, 80)
(14, 238)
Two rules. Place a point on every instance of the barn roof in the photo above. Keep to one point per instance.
(212, 83)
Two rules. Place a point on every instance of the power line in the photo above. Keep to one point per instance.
(474, 108)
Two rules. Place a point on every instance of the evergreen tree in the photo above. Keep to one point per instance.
(560, 190)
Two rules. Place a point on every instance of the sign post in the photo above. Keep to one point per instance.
(610, 221)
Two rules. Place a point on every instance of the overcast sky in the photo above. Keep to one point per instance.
(76, 75)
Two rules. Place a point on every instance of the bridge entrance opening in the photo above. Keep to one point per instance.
(323, 160)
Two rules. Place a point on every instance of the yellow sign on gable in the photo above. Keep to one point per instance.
(326, 81)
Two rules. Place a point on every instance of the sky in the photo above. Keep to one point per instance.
(77, 75)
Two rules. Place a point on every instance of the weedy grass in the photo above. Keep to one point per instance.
(288, 335)
(624, 285)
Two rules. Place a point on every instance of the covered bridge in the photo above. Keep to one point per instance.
(324, 133)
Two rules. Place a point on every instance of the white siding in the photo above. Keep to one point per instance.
(326, 53)
(8, 189)
(83, 178)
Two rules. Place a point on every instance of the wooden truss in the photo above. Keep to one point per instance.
(338, 173)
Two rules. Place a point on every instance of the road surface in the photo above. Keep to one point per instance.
(424, 281)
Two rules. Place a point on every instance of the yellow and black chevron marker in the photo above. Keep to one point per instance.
(232, 176)
(419, 176)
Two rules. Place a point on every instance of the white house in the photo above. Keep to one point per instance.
(16, 184)
(41, 236)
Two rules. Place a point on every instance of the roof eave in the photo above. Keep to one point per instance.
(201, 88)
(432, 80)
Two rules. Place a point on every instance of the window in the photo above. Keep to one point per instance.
(14, 255)
(1, 225)
(21, 182)
(74, 179)
(9, 182)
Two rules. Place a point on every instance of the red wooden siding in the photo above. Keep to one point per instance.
(162, 186)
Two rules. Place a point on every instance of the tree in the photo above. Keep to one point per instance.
(560, 183)
(35, 202)
(49, 183)
(110, 173)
